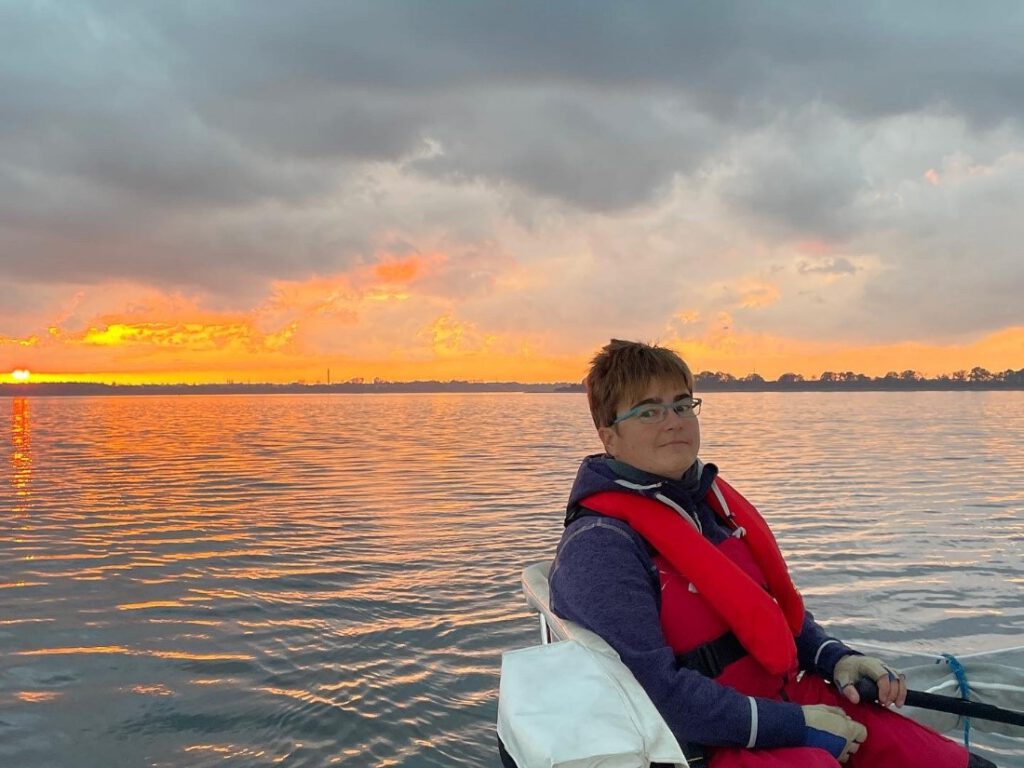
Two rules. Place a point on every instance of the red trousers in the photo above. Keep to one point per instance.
(893, 741)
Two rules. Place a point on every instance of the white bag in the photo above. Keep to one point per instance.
(563, 705)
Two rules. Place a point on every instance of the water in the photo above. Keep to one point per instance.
(330, 580)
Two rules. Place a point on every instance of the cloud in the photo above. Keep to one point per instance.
(597, 151)
(758, 294)
(872, 58)
(447, 336)
(829, 265)
(541, 177)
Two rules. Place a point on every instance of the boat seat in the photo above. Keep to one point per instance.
(637, 707)
(992, 682)
(554, 627)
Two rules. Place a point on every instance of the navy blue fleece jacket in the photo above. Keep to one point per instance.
(604, 579)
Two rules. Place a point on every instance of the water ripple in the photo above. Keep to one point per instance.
(331, 580)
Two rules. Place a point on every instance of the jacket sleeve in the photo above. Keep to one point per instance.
(817, 651)
(604, 580)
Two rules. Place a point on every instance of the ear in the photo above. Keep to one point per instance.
(610, 437)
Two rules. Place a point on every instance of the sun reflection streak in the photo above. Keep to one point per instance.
(21, 455)
(121, 650)
(306, 697)
(35, 697)
(227, 750)
(151, 690)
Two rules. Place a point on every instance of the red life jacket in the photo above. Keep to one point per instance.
(764, 617)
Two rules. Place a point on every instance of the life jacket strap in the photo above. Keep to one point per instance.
(711, 658)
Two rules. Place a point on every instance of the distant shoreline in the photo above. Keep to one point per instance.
(45, 389)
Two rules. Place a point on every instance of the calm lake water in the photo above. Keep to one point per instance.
(330, 580)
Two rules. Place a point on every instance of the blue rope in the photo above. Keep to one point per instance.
(965, 690)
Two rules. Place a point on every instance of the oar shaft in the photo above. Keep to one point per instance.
(868, 691)
(963, 708)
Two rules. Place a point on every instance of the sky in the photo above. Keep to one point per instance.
(268, 191)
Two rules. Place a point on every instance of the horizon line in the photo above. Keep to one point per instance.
(977, 373)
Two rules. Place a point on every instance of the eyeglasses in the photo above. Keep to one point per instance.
(654, 413)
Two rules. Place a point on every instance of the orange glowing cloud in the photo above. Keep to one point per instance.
(755, 294)
(174, 322)
(399, 318)
(372, 320)
(159, 337)
(449, 337)
(496, 363)
(28, 341)
(397, 271)
(332, 296)
(344, 296)
(152, 338)
(813, 247)
(746, 293)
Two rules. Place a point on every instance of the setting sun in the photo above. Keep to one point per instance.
(20, 374)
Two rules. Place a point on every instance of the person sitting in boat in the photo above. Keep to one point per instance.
(683, 578)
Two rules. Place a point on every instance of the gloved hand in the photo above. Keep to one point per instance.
(892, 686)
(831, 729)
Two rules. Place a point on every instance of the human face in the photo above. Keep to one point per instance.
(667, 448)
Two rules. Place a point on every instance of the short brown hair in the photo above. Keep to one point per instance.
(623, 370)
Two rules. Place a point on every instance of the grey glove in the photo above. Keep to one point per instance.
(892, 686)
(831, 729)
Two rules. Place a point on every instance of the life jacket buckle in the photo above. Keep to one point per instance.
(711, 658)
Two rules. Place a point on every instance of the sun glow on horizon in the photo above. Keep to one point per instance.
(359, 328)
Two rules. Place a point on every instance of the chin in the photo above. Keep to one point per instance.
(679, 469)
(675, 471)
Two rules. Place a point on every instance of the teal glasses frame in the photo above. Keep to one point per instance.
(653, 413)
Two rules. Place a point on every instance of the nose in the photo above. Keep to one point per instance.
(671, 417)
(680, 419)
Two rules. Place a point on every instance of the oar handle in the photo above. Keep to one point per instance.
(868, 691)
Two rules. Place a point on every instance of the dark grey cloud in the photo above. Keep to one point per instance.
(101, 158)
(957, 265)
(872, 57)
(829, 265)
(797, 180)
(192, 141)
(603, 152)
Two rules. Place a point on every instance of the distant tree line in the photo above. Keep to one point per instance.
(976, 378)
(713, 381)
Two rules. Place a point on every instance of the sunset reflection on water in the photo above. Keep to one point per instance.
(332, 579)
(21, 454)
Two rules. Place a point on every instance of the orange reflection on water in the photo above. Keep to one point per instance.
(150, 604)
(94, 649)
(228, 750)
(21, 454)
(184, 656)
(34, 697)
(304, 695)
(151, 690)
(9, 622)
(123, 650)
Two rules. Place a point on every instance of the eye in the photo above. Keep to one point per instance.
(648, 413)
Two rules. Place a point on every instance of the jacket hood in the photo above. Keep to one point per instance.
(600, 472)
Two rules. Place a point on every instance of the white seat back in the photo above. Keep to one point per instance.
(554, 627)
(574, 704)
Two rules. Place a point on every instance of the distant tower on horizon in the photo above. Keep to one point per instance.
(328, 377)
